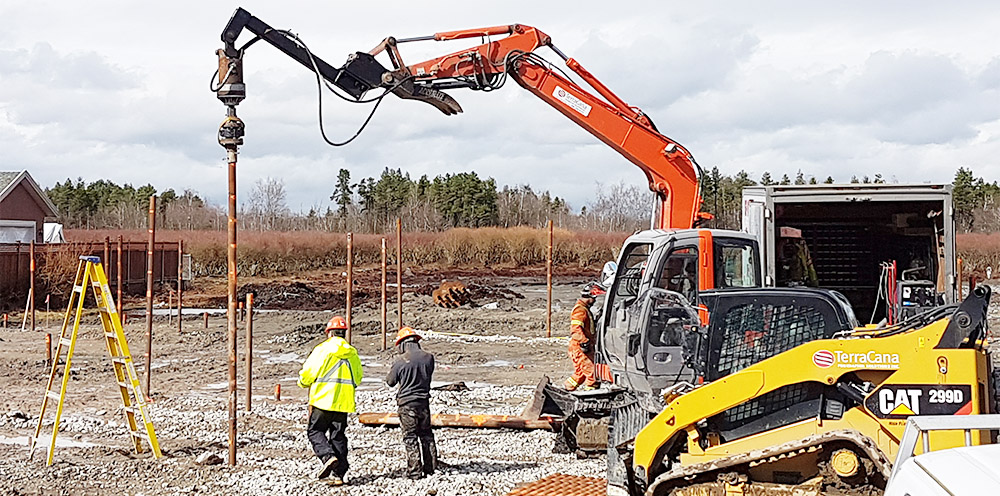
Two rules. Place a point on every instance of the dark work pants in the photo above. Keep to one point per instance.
(327, 431)
(421, 452)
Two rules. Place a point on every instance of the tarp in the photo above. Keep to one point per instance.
(54, 233)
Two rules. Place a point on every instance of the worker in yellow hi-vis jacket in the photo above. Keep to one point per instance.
(332, 373)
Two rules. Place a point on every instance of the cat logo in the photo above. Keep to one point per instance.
(898, 401)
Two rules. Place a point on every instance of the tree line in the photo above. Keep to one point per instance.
(103, 204)
(372, 204)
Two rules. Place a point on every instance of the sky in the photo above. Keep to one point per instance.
(120, 91)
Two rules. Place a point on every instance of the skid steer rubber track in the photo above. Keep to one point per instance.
(716, 472)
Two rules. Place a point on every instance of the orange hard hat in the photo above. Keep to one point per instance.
(406, 332)
(337, 322)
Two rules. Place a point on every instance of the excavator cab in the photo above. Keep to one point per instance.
(660, 273)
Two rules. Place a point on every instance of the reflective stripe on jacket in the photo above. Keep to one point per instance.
(332, 373)
(581, 324)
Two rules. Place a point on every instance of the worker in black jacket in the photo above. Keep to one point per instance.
(412, 371)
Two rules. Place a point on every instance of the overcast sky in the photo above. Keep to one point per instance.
(119, 90)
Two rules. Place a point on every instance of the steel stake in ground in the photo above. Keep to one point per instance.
(350, 281)
(548, 286)
(32, 293)
(399, 269)
(231, 91)
(150, 250)
(249, 351)
(180, 285)
(118, 274)
(384, 323)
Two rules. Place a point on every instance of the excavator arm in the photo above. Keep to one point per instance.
(669, 167)
(360, 74)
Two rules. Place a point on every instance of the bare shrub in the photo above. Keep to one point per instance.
(275, 252)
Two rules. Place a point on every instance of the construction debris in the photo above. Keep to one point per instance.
(454, 386)
(530, 418)
(454, 294)
(563, 485)
(451, 294)
(208, 459)
(467, 420)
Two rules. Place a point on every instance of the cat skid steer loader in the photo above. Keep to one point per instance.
(765, 417)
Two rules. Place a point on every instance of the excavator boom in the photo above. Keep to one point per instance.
(669, 167)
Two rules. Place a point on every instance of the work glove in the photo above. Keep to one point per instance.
(586, 347)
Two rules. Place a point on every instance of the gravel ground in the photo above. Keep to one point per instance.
(499, 351)
(273, 451)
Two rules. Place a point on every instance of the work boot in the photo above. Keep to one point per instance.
(327, 468)
(335, 481)
(570, 384)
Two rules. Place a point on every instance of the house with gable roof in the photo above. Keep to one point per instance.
(24, 206)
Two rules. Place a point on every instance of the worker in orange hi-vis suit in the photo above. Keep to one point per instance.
(581, 344)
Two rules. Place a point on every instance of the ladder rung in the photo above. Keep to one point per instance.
(110, 335)
(123, 384)
(78, 288)
(52, 395)
(120, 360)
(140, 435)
(65, 342)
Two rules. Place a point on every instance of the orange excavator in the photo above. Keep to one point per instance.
(670, 168)
(674, 255)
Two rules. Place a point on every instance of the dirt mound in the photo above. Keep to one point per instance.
(293, 295)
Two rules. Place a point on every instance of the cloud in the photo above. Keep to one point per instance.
(656, 69)
(839, 89)
(46, 68)
(908, 98)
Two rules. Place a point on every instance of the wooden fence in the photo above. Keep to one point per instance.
(15, 269)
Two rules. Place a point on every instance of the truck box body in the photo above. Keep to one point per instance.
(850, 230)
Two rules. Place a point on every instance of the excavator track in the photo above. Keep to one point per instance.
(732, 475)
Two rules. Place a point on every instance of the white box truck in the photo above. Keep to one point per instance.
(853, 233)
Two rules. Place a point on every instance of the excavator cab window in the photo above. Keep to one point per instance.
(680, 273)
(737, 264)
(670, 325)
(622, 297)
(631, 270)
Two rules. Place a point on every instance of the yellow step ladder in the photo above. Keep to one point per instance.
(90, 270)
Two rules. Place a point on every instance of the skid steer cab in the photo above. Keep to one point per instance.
(685, 262)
